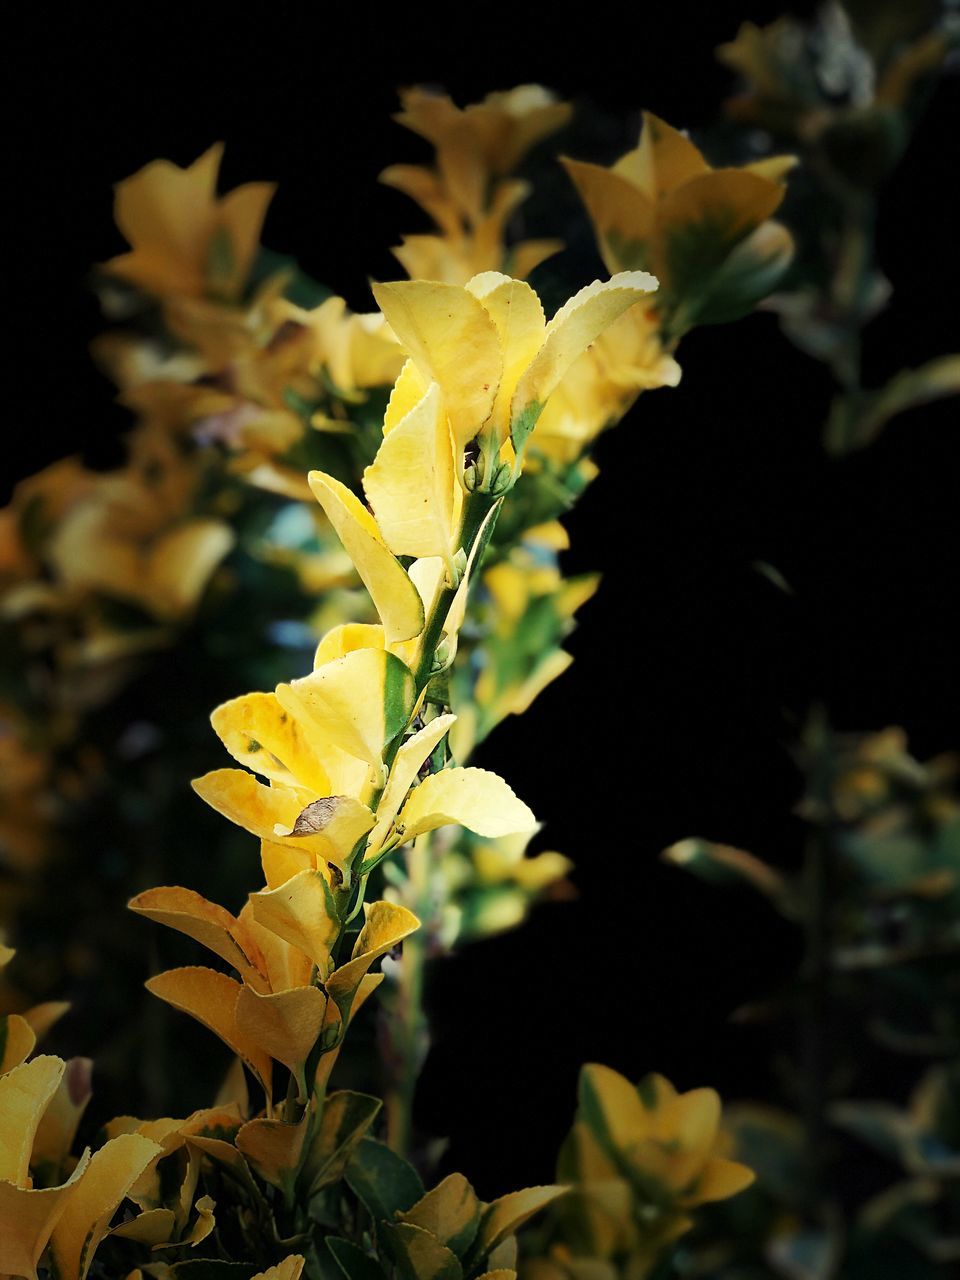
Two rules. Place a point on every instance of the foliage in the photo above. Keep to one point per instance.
(360, 515)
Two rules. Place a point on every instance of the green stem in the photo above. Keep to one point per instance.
(852, 281)
(407, 1027)
(476, 509)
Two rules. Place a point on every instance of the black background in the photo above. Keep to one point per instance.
(693, 671)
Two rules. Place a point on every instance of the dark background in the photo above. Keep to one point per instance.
(693, 672)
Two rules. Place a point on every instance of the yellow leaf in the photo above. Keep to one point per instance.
(503, 1217)
(301, 911)
(341, 640)
(358, 702)
(341, 820)
(259, 809)
(732, 200)
(274, 1148)
(623, 216)
(288, 1269)
(58, 1127)
(612, 1107)
(153, 1227)
(28, 1218)
(412, 485)
(452, 341)
(575, 326)
(407, 763)
(474, 798)
(41, 1017)
(690, 1119)
(408, 390)
(261, 735)
(212, 998)
(85, 1220)
(664, 159)
(281, 862)
(285, 1025)
(17, 1041)
(516, 311)
(385, 925)
(722, 1178)
(24, 1095)
(394, 595)
(287, 966)
(450, 1212)
(211, 925)
(174, 220)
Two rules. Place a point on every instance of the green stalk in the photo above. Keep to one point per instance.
(406, 1025)
(408, 1031)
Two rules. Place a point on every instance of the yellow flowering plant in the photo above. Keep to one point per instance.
(386, 489)
(353, 772)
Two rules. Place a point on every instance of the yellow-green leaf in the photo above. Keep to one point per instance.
(503, 1217)
(385, 925)
(274, 1148)
(451, 1212)
(358, 702)
(418, 1254)
(516, 311)
(578, 323)
(407, 764)
(344, 1120)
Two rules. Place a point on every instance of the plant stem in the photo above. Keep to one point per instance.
(407, 1026)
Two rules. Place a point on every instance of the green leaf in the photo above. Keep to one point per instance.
(353, 1261)
(745, 277)
(346, 1118)
(723, 864)
(847, 431)
(383, 1181)
(524, 423)
(419, 1255)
